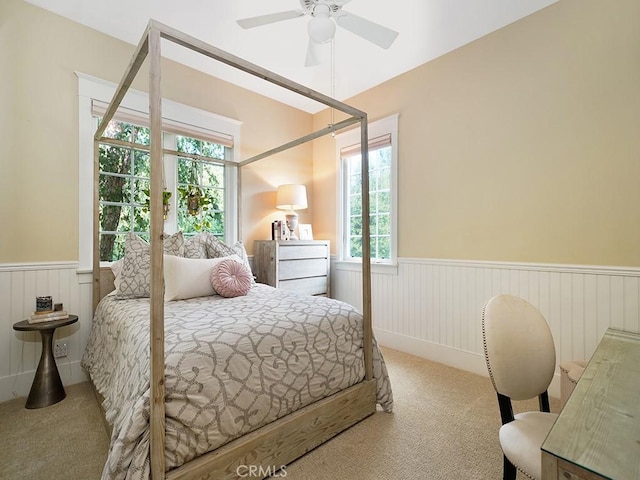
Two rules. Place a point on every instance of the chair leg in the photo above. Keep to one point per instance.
(509, 470)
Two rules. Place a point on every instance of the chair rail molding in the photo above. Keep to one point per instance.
(432, 308)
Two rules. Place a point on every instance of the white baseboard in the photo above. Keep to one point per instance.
(451, 357)
(19, 385)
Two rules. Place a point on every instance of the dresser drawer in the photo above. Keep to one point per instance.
(306, 286)
(294, 252)
(309, 267)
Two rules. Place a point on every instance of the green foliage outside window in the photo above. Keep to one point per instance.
(379, 204)
(124, 186)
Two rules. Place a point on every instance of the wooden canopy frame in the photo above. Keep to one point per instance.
(289, 437)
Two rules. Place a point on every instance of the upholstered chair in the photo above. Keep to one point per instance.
(570, 373)
(521, 359)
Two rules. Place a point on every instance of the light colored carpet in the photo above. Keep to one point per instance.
(66, 441)
(444, 426)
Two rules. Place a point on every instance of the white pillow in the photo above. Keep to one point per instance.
(116, 268)
(189, 277)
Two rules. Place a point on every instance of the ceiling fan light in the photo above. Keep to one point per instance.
(321, 28)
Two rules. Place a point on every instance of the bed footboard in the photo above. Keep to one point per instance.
(286, 439)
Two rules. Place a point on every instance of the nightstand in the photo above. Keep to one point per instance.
(298, 265)
(47, 387)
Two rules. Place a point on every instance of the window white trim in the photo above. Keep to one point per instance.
(92, 88)
(379, 128)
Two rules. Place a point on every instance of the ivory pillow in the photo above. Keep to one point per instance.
(190, 277)
(230, 278)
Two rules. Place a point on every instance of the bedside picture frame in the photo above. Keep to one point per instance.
(305, 232)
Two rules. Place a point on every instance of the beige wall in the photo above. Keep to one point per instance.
(39, 52)
(522, 146)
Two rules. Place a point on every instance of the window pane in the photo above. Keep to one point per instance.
(373, 225)
(124, 222)
(114, 188)
(118, 130)
(186, 221)
(356, 226)
(127, 132)
(217, 224)
(382, 156)
(384, 202)
(384, 248)
(141, 219)
(111, 247)
(142, 135)
(141, 164)
(355, 250)
(212, 175)
(140, 186)
(384, 179)
(355, 205)
(110, 217)
(384, 224)
(199, 147)
(355, 184)
(114, 159)
(186, 170)
(217, 199)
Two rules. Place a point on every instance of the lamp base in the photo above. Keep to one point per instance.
(292, 224)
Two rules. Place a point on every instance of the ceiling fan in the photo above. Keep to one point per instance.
(322, 28)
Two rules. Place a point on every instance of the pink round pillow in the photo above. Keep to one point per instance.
(230, 278)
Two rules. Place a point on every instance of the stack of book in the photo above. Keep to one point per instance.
(279, 230)
(38, 317)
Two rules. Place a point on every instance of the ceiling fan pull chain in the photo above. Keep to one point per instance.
(333, 84)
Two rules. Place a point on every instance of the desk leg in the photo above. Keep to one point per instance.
(47, 387)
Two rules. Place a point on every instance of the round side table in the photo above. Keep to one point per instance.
(47, 387)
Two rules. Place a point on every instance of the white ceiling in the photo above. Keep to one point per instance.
(428, 29)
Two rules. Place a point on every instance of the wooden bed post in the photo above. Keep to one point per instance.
(128, 77)
(366, 251)
(96, 224)
(156, 345)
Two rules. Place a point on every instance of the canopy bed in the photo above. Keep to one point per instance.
(285, 435)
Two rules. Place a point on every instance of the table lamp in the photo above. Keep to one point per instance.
(292, 197)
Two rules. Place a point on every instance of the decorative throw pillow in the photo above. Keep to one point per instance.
(135, 278)
(239, 250)
(116, 268)
(215, 247)
(230, 278)
(190, 277)
(195, 247)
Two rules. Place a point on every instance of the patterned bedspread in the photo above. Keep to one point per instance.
(232, 366)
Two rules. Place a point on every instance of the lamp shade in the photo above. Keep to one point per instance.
(291, 197)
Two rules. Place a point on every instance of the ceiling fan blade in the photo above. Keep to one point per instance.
(260, 20)
(313, 54)
(375, 33)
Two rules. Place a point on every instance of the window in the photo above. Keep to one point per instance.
(382, 192)
(124, 178)
(124, 185)
(205, 177)
(199, 155)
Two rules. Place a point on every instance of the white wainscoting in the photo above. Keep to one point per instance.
(432, 308)
(429, 308)
(20, 351)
